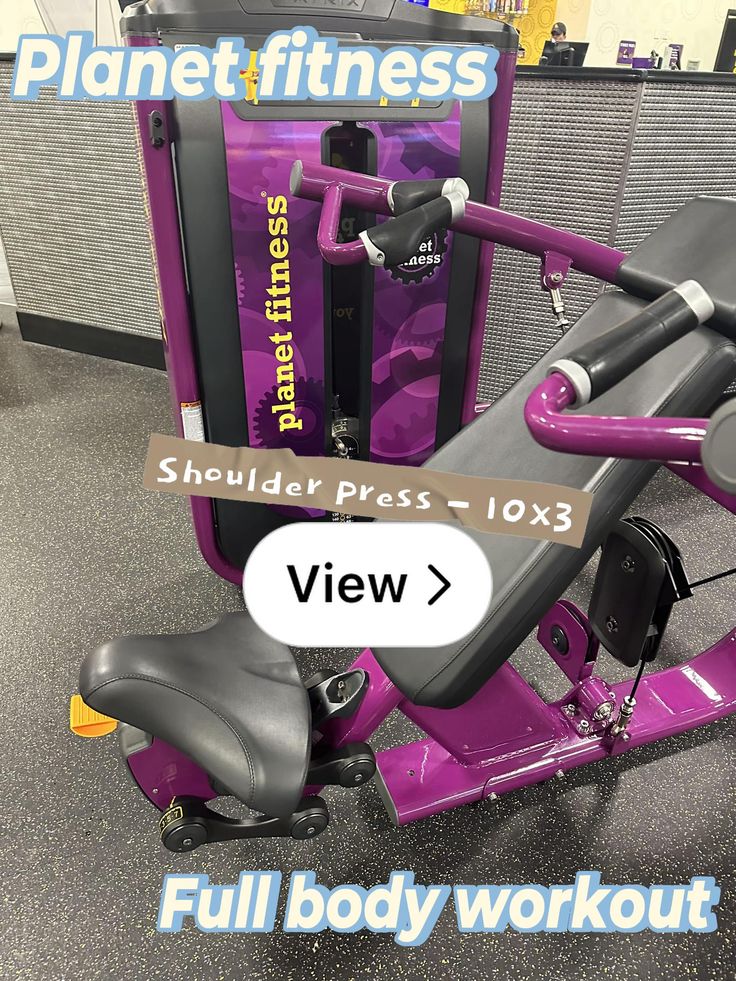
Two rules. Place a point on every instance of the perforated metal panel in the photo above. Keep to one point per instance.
(568, 144)
(685, 145)
(610, 160)
(72, 212)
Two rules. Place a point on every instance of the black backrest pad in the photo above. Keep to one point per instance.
(529, 576)
(697, 242)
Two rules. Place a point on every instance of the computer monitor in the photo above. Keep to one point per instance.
(581, 49)
(565, 54)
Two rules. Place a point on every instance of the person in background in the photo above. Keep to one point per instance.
(558, 32)
(557, 51)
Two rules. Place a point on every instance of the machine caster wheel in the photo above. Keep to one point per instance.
(311, 821)
(356, 772)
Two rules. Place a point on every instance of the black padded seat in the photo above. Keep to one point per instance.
(697, 242)
(228, 696)
(529, 576)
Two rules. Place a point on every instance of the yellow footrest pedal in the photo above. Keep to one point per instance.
(84, 721)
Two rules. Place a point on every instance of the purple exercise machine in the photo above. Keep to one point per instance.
(383, 364)
(224, 711)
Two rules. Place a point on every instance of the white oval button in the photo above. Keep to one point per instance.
(360, 584)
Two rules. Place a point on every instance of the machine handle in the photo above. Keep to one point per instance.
(405, 196)
(605, 361)
(400, 238)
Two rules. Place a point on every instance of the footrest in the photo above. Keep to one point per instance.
(84, 721)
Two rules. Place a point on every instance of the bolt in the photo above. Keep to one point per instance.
(310, 831)
(626, 736)
(603, 711)
(628, 564)
(187, 843)
(559, 639)
(584, 725)
(569, 710)
(612, 625)
(358, 777)
(560, 774)
(380, 257)
(556, 277)
(493, 797)
(155, 790)
(410, 772)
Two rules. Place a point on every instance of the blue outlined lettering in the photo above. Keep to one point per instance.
(410, 912)
(80, 70)
(300, 65)
(292, 65)
(589, 907)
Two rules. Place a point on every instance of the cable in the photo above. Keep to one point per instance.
(640, 672)
(719, 575)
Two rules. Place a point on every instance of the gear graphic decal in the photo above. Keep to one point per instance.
(404, 398)
(407, 439)
(307, 441)
(432, 250)
(239, 282)
(422, 330)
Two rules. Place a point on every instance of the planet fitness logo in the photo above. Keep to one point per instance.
(424, 262)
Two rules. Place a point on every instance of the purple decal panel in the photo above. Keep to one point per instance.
(410, 302)
(279, 277)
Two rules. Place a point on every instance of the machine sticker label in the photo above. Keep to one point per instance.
(547, 512)
(192, 421)
(410, 912)
(424, 263)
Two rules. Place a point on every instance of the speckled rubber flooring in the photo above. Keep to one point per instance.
(87, 553)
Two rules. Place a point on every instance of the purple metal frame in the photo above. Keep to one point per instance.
(629, 437)
(506, 737)
(173, 299)
(170, 267)
(491, 224)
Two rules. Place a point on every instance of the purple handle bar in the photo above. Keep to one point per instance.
(658, 438)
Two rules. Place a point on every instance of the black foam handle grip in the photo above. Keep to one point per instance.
(398, 239)
(613, 356)
(408, 195)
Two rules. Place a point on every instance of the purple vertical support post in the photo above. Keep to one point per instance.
(173, 301)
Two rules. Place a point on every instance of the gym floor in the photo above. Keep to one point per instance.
(87, 553)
